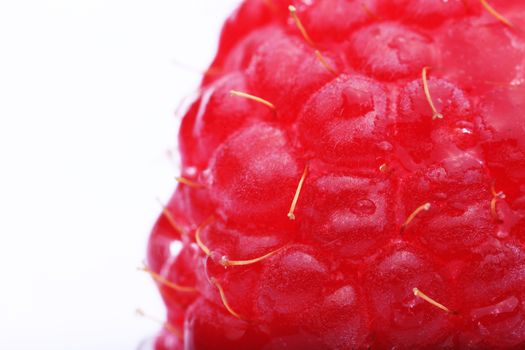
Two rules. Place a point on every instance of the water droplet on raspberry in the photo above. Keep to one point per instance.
(364, 207)
(347, 215)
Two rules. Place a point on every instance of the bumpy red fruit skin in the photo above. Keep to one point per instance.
(492, 296)
(345, 122)
(375, 201)
(402, 318)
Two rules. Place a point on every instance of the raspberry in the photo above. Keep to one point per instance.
(402, 319)
(389, 50)
(493, 292)
(213, 128)
(352, 178)
(342, 120)
(263, 171)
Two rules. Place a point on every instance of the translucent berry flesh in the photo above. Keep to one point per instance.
(353, 177)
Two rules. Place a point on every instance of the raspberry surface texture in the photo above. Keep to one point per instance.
(353, 177)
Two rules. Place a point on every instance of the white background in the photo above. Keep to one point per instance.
(88, 90)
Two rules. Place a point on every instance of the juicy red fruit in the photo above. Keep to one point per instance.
(365, 192)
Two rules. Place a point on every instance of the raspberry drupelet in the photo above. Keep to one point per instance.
(353, 177)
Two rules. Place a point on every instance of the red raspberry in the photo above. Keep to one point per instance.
(352, 178)
(343, 120)
(401, 320)
(492, 284)
(389, 50)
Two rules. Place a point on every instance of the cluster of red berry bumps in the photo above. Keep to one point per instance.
(353, 177)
